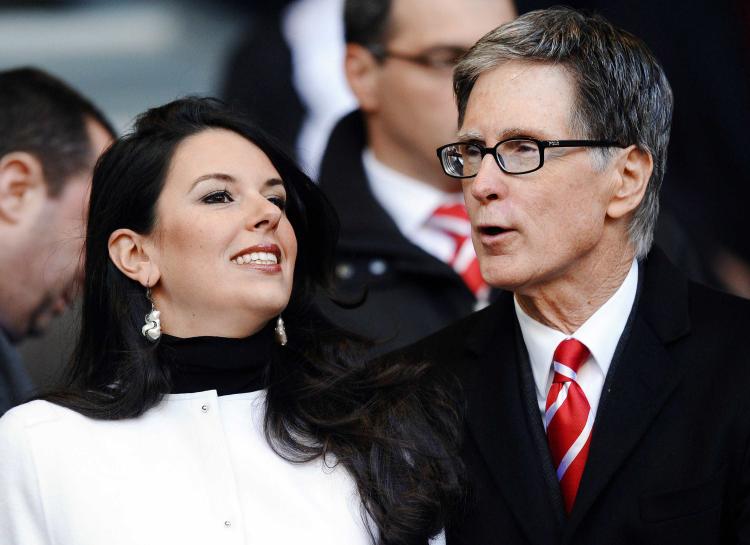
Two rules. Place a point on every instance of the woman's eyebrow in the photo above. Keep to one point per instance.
(213, 176)
(273, 182)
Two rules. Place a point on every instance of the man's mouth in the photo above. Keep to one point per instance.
(492, 230)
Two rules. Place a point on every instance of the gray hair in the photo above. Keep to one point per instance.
(622, 93)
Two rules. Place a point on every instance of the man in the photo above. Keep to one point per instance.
(405, 236)
(606, 395)
(50, 138)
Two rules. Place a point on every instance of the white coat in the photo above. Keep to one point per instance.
(194, 470)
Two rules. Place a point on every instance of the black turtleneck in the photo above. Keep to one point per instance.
(229, 366)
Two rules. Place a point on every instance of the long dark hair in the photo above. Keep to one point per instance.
(392, 425)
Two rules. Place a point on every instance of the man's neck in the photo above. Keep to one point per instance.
(568, 303)
(392, 155)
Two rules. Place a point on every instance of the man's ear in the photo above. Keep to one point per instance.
(634, 168)
(128, 251)
(362, 71)
(22, 185)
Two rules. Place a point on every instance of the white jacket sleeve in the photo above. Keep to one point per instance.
(22, 520)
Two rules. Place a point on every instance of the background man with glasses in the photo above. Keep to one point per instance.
(607, 397)
(405, 234)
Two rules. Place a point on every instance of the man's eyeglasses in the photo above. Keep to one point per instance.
(513, 155)
(439, 57)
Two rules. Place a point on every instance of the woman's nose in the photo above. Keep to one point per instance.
(264, 215)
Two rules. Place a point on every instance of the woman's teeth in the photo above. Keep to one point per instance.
(257, 258)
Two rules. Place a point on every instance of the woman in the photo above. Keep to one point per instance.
(213, 420)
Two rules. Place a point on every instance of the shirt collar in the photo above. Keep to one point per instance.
(600, 333)
(408, 201)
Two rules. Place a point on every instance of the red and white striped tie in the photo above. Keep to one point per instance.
(453, 220)
(568, 419)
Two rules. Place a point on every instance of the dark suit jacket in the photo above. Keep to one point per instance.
(410, 293)
(669, 459)
(15, 384)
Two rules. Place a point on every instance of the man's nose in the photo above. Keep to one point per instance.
(489, 184)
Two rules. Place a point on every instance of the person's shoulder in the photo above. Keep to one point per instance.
(35, 413)
(724, 306)
(448, 344)
(723, 317)
(670, 295)
(30, 420)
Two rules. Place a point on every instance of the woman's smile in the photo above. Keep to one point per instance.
(262, 257)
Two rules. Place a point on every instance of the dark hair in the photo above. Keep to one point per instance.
(382, 422)
(366, 22)
(43, 116)
(622, 93)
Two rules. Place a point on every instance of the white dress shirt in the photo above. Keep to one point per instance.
(410, 203)
(600, 333)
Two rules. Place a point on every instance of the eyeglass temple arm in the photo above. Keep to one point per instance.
(581, 143)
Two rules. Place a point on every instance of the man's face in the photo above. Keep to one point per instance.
(416, 111)
(52, 265)
(547, 227)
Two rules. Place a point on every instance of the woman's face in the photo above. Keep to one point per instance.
(223, 246)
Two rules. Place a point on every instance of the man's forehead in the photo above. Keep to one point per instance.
(519, 99)
(461, 23)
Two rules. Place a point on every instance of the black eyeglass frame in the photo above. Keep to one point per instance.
(541, 144)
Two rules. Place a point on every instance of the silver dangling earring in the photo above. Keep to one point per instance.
(152, 329)
(280, 331)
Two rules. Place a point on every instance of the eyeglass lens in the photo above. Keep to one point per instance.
(513, 156)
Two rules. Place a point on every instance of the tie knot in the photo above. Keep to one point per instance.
(455, 210)
(451, 218)
(569, 356)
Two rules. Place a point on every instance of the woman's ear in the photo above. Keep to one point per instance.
(363, 73)
(22, 186)
(634, 168)
(131, 253)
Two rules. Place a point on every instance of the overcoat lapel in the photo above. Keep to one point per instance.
(497, 420)
(643, 378)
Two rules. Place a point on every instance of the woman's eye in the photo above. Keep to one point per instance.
(218, 197)
(278, 201)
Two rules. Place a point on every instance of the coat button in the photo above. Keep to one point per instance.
(344, 271)
(377, 267)
(227, 523)
(204, 408)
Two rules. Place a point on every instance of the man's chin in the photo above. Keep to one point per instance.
(39, 323)
(37, 330)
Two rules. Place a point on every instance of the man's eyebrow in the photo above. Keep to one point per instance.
(469, 136)
(473, 136)
(516, 131)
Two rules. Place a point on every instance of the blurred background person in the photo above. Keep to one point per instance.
(287, 73)
(50, 138)
(404, 226)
